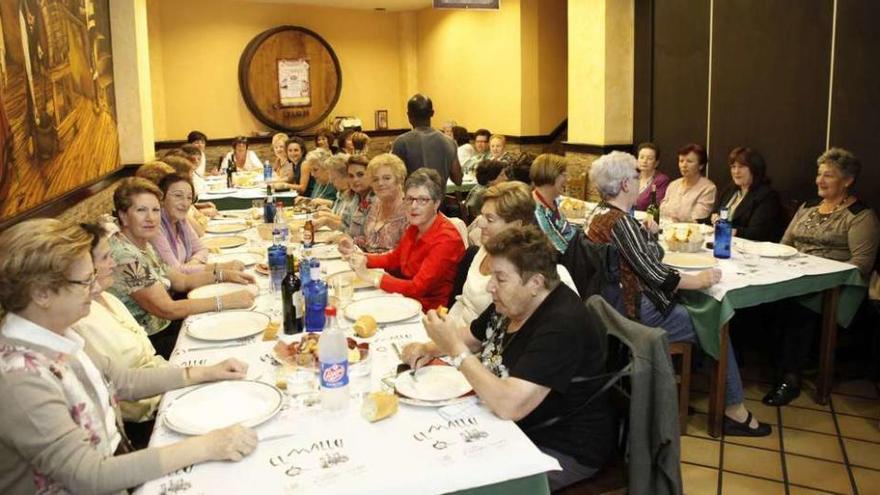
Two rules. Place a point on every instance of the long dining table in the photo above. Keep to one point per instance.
(827, 287)
(303, 449)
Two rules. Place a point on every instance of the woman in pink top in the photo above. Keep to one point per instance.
(178, 245)
(691, 197)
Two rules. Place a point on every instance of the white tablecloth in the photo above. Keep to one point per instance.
(306, 450)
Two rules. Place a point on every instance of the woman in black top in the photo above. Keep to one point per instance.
(521, 355)
(755, 210)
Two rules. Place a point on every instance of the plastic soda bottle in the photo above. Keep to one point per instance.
(333, 359)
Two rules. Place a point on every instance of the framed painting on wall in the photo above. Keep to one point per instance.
(381, 119)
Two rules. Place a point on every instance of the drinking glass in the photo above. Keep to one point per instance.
(343, 288)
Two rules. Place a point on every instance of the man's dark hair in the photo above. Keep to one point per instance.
(420, 107)
(194, 136)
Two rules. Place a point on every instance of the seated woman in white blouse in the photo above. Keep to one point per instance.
(691, 197)
(110, 329)
(505, 205)
(59, 423)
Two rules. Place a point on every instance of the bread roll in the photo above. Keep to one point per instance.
(365, 326)
(378, 406)
(271, 331)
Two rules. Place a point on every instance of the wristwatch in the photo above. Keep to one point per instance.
(457, 360)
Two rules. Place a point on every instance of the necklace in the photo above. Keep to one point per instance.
(816, 220)
(130, 240)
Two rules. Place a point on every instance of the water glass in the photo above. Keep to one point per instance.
(343, 288)
(277, 255)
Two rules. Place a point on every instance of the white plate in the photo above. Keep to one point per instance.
(689, 261)
(773, 250)
(326, 252)
(358, 282)
(225, 228)
(221, 289)
(434, 403)
(222, 190)
(432, 383)
(228, 325)
(247, 258)
(385, 309)
(224, 242)
(223, 404)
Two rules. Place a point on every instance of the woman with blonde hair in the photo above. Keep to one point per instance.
(386, 220)
(279, 154)
(306, 183)
(60, 428)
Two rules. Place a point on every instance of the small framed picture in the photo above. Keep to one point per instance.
(381, 119)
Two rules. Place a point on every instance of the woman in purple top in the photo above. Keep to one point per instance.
(649, 159)
(178, 245)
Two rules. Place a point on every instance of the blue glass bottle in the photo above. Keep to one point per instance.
(723, 235)
(315, 293)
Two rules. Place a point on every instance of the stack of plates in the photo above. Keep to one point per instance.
(226, 227)
(228, 325)
(223, 404)
(432, 386)
(220, 289)
(689, 261)
(224, 242)
(248, 259)
(385, 309)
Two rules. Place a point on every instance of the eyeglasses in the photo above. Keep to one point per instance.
(419, 201)
(181, 197)
(89, 283)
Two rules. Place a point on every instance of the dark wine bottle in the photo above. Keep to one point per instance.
(292, 301)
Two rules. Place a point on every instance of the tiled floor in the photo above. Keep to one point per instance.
(814, 449)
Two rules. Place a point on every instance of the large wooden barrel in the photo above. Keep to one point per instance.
(290, 52)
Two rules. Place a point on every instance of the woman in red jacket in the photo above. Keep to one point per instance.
(424, 263)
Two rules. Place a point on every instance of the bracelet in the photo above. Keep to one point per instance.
(377, 279)
(187, 377)
(218, 302)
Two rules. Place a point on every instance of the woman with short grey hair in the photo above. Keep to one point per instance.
(647, 288)
(837, 226)
(423, 264)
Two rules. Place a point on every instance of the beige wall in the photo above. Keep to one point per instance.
(504, 70)
(195, 48)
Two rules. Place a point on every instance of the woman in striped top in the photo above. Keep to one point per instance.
(642, 274)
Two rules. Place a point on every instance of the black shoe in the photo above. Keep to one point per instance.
(782, 395)
(736, 429)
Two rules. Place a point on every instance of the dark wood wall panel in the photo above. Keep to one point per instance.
(770, 76)
(855, 106)
(680, 76)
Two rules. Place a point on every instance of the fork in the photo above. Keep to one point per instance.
(412, 372)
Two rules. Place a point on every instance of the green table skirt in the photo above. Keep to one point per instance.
(530, 485)
(710, 314)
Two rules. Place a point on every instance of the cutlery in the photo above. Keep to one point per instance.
(412, 371)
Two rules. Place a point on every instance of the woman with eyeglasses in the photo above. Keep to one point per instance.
(143, 282)
(60, 428)
(423, 265)
(177, 243)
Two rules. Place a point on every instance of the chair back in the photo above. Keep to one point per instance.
(652, 431)
(592, 266)
(462, 229)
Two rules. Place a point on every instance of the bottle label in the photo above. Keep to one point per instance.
(299, 303)
(334, 375)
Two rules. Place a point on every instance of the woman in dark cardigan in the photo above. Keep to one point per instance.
(755, 210)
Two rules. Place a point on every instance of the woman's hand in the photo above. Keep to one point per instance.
(709, 277)
(241, 299)
(229, 369)
(444, 332)
(234, 265)
(346, 245)
(232, 443)
(416, 353)
(650, 225)
(301, 199)
(237, 277)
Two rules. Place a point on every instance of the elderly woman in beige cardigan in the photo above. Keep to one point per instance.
(60, 425)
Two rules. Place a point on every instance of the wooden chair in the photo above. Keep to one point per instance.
(683, 377)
